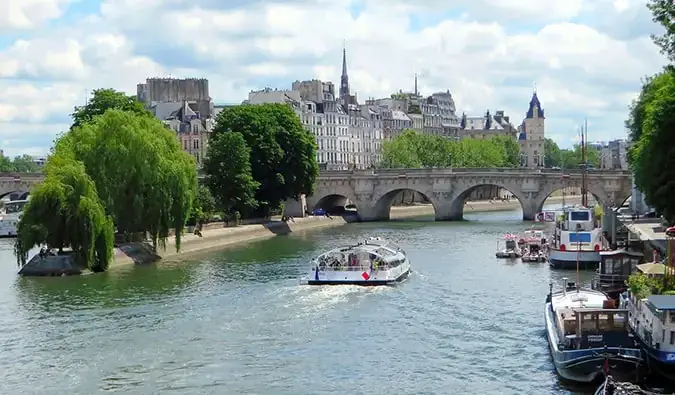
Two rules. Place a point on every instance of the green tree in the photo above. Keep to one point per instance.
(652, 154)
(6, 164)
(25, 164)
(411, 149)
(103, 100)
(663, 13)
(65, 211)
(642, 286)
(511, 150)
(228, 173)
(553, 156)
(283, 153)
(144, 179)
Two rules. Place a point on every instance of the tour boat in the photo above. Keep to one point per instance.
(510, 249)
(533, 245)
(577, 240)
(652, 320)
(10, 216)
(375, 261)
(583, 330)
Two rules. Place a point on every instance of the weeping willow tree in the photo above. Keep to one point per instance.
(143, 178)
(65, 211)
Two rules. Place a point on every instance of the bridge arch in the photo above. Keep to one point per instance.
(15, 195)
(384, 200)
(330, 198)
(461, 197)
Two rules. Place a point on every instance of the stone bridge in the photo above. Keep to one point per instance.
(18, 185)
(373, 191)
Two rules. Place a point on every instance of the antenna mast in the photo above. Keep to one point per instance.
(584, 161)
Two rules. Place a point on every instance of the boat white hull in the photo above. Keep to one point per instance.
(359, 277)
(8, 228)
(568, 259)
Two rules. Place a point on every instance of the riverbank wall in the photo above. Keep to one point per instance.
(216, 237)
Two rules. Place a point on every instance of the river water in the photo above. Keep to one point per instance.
(239, 322)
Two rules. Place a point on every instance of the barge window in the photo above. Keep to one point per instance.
(579, 216)
(672, 337)
(672, 316)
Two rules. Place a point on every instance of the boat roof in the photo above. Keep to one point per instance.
(662, 302)
(16, 201)
(585, 298)
(374, 245)
(621, 252)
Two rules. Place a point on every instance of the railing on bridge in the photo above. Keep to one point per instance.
(451, 170)
(10, 176)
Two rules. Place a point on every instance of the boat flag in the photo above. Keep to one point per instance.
(316, 273)
(605, 367)
(365, 276)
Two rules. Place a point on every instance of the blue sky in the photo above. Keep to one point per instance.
(586, 56)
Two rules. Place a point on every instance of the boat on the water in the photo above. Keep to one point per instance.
(577, 240)
(375, 261)
(10, 216)
(584, 329)
(652, 320)
(533, 245)
(510, 247)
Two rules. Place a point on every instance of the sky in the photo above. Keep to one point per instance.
(586, 58)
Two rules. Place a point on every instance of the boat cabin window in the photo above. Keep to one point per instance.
(600, 322)
(510, 244)
(14, 207)
(579, 216)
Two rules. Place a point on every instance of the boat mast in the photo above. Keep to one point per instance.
(584, 191)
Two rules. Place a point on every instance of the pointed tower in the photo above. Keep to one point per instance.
(533, 134)
(416, 91)
(344, 80)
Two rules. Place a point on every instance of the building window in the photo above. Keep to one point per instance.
(195, 144)
(672, 337)
(185, 145)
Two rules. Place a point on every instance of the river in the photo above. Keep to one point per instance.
(238, 322)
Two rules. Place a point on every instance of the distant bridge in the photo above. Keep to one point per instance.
(373, 191)
(18, 185)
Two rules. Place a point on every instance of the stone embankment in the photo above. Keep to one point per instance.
(215, 237)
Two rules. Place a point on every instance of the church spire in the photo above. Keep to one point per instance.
(344, 80)
(416, 91)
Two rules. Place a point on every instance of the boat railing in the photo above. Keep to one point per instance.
(356, 268)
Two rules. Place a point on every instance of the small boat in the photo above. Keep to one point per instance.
(510, 249)
(375, 261)
(583, 328)
(534, 253)
(10, 216)
(653, 321)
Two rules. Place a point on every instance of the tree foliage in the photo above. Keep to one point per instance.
(282, 152)
(65, 211)
(652, 155)
(663, 13)
(569, 158)
(228, 172)
(415, 150)
(103, 100)
(20, 164)
(144, 179)
(642, 285)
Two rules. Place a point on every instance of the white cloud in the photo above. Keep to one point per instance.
(488, 53)
(27, 14)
